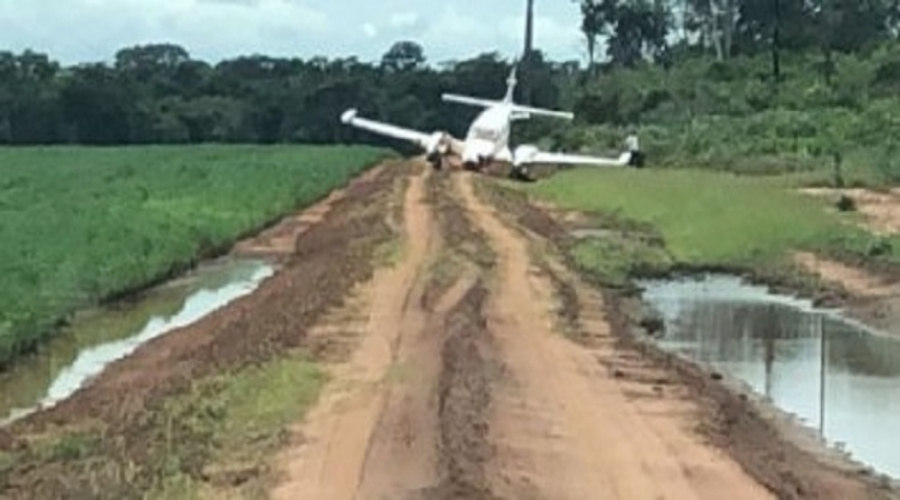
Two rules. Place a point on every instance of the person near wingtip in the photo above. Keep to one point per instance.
(636, 158)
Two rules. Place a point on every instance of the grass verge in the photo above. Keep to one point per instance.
(650, 222)
(709, 218)
(214, 440)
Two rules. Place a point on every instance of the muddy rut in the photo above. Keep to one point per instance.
(460, 381)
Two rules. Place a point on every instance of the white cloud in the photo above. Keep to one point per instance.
(93, 30)
(560, 40)
(401, 20)
(370, 30)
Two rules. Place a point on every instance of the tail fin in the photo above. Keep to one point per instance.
(519, 112)
(511, 82)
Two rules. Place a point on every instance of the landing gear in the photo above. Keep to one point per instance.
(436, 160)
(520, 173)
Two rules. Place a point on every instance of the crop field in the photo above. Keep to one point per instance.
(79, 225)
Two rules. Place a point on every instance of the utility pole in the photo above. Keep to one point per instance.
(527, 54)
(529, 29)
(776, 35)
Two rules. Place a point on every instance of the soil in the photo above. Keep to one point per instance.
(880, 209)
(465, 360)
(859, 282)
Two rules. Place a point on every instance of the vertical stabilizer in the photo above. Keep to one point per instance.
(511, 85)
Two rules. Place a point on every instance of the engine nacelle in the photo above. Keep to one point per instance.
(524, 154)
(437, 143)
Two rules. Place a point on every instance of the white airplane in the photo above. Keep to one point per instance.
(487, 140)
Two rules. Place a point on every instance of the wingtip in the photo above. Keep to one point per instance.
(348, 115)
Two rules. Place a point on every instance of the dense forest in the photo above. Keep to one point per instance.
(783, 82)
(159, 94)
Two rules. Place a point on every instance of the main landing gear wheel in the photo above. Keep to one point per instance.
(436, 161)
(520, 173)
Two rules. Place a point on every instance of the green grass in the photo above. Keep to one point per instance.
(616, 258)
(216, 439)
(705, 218)
(229, 426)
(78, 225)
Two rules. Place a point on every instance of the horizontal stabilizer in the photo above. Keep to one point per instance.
(529, 111)
(519, 112)
(469, 101)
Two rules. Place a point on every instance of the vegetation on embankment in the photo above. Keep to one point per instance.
(656, 220)
(78, 225)
(218, 435)
(699, 112)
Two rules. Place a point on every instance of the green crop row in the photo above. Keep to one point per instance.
(80, 225)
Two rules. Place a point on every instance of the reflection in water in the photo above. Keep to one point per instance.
(100, 337)
(782, 347)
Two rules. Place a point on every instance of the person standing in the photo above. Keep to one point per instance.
(633, 146)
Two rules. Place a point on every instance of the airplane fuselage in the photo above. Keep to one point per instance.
(488, 137)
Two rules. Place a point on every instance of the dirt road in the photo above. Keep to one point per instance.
(465, 359)
(477, 393)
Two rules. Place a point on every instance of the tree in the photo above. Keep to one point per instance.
(97, 107)
(592, 25)
(149, 58)
(856, 24)
(715, 22)
(635, 28)
(758, 20)
(403, 56)
(639, 30)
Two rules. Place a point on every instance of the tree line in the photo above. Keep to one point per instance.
(636, 30)
(160, 94)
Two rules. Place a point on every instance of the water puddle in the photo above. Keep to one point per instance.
(834, 374)
(97, 338)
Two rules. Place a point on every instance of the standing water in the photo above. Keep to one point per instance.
(834, 375)
(97, 338)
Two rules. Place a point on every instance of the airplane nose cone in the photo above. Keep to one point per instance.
(477, 151)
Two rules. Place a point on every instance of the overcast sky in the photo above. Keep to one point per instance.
(73, 31)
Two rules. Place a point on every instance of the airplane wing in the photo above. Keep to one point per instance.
(529, 155)
(435, 142)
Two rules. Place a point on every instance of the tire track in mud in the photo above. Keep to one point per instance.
(340, 430)
(430, 442)
(561, 425)
(460, 384)
(405, 416)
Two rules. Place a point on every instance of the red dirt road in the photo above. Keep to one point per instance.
(535, 415)
(465, 360)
